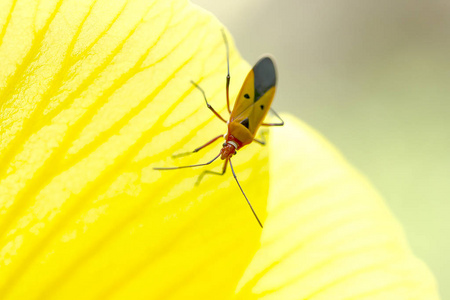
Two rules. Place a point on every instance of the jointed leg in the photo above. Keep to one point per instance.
(197, 149)
(207, 104)
(274, 124)
(261, 141)
(224, 168)
(228, 70)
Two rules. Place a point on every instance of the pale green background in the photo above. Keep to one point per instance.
(374, 78)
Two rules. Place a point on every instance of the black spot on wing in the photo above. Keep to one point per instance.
(246, 96)
(245, 122)
(265, 77)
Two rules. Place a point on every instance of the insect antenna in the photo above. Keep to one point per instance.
(189, 166)
(251, 207)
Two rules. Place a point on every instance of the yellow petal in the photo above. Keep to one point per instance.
(94, 94)
(328, 234)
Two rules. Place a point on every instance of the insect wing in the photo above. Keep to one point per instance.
(256, 95)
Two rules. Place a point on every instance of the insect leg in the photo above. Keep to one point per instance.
(228, 70)
(261, 142)
(197, 149)
(224, 168)
(274, 124)
(207, 104)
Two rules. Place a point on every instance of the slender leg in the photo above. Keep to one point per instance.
(197, 149)
(228, 70)
(261, 142)
(224, 168)
(274, 124)
(207, 104)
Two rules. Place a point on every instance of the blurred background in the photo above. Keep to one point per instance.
(374, 78)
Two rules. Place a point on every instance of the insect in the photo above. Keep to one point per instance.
(250, 108)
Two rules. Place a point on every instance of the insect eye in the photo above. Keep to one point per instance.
(235, 152)
(224, 144)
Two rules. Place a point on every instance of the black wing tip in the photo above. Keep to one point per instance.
(265, 76)
(265, 68)
(266, 58)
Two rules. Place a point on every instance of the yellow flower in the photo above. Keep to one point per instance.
(94, 94)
